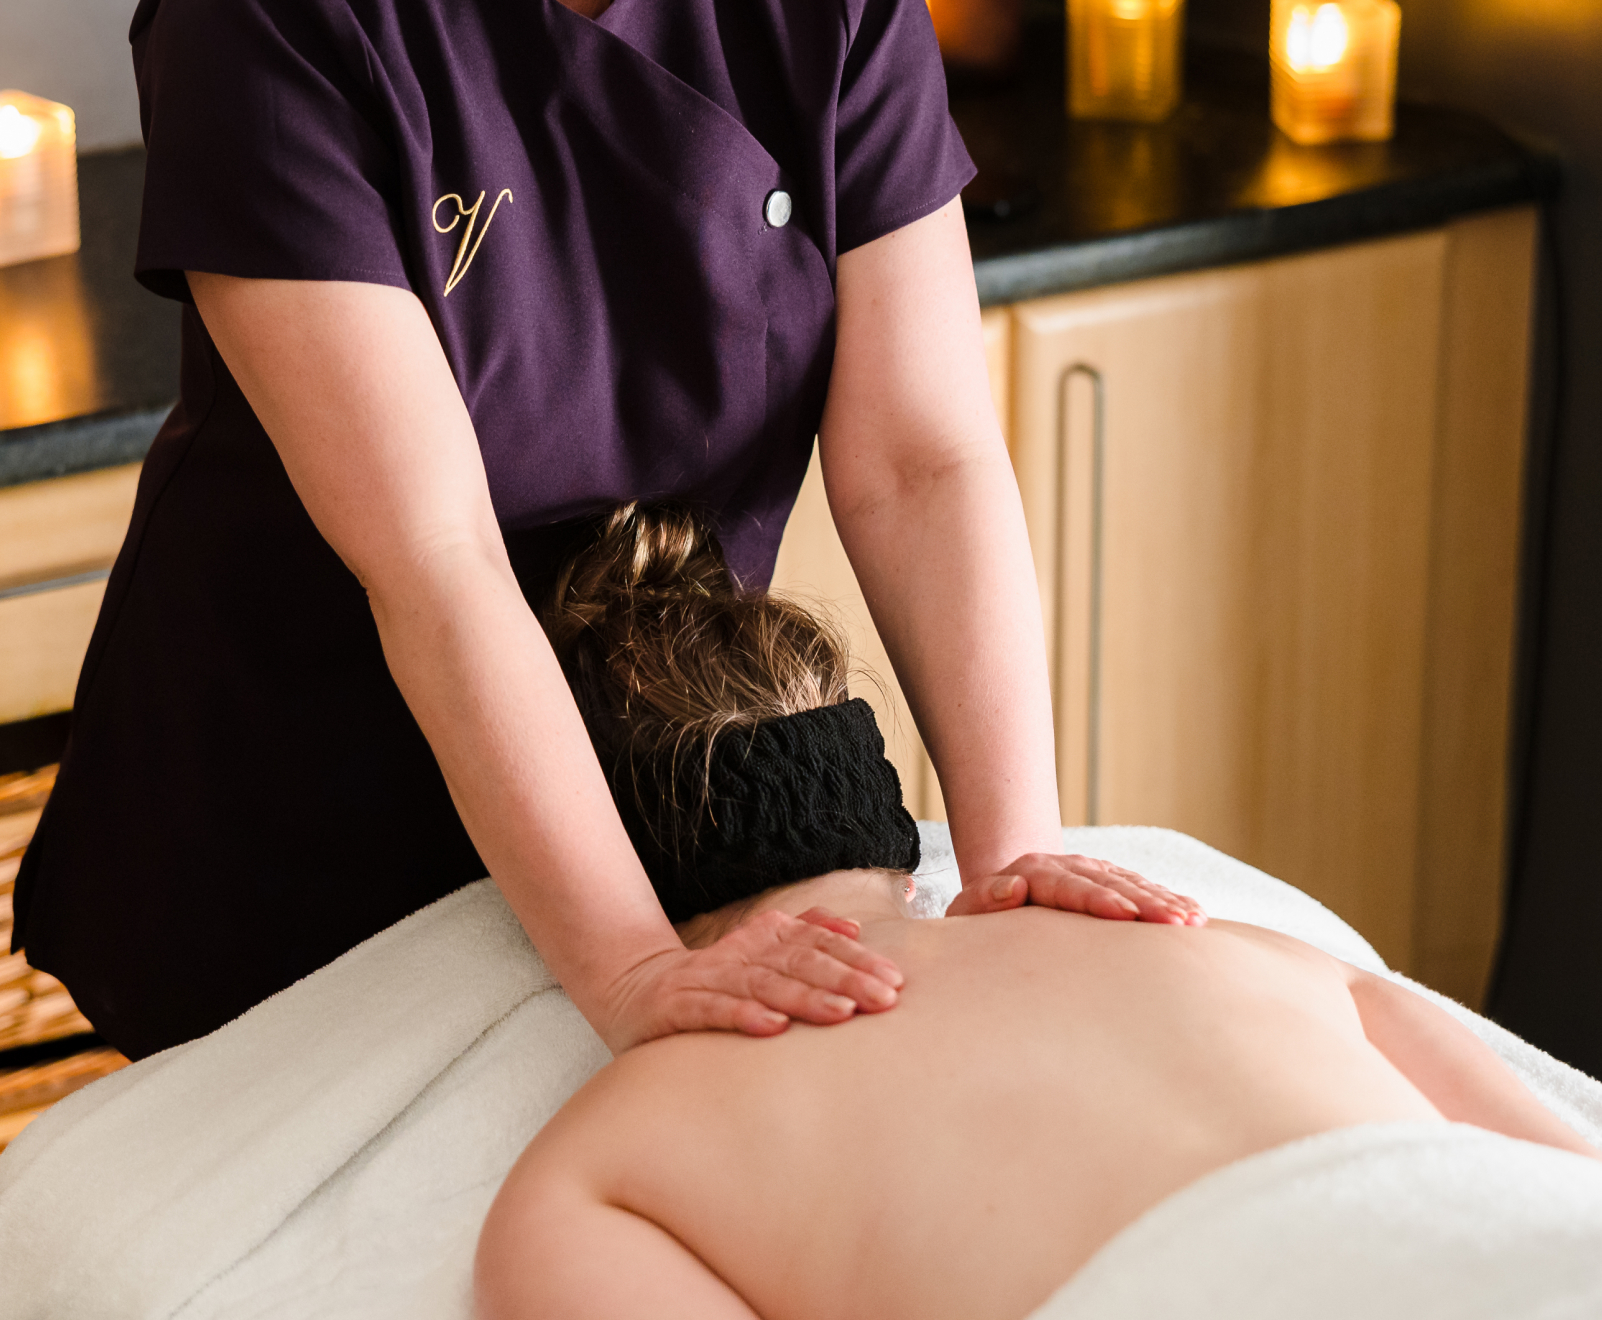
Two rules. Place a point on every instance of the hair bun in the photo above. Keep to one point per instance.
(666, 655)
(645, 548)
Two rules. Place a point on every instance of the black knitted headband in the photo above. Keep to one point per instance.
(791, 798)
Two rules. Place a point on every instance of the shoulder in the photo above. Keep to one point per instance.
(220, 61)
(629, 1118)
(842, 23)
(295, 21)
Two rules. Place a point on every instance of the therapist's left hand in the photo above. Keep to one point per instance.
(1073, 883)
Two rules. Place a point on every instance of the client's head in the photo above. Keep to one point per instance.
(736, 757)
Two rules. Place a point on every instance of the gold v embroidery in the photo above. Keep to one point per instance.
(468, 248)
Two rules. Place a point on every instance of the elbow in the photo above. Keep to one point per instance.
(866, 487)
(439, 576)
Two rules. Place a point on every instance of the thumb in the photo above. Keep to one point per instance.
(821, 916)
(994, 893)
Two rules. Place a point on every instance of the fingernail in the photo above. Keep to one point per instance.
(775, 1019)
(840, 1004)
(1129, 906)
(881, 994)
(892, 976)
(1001, 887)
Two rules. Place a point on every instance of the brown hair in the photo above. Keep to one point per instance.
(666, 656)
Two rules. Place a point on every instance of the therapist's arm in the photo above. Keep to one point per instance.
(924, 497)
(352, 386)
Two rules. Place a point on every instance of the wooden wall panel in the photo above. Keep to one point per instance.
(43, 639)
(46, 526)
(1253, 674)
(1478, 501)
(1350, 397)
(48, 530)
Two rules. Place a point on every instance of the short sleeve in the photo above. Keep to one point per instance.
(267, 155)
(898, 156)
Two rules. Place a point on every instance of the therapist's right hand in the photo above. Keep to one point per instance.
(756, 979)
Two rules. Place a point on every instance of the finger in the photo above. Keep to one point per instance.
(720, 1012)
(846, 949)
(1078, 893)
(994, 893)
(1156, 903)
(821, 916)
(1178, 902)
(796, 999)
(712, 1010)
(818, 970)
(754, 1019)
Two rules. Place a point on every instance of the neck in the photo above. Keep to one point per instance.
(862, 896)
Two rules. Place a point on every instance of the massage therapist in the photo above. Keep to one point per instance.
(458, 274)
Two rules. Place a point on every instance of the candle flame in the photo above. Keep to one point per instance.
(19, 133)
(1317, 38)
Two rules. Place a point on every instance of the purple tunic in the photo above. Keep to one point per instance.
(592, 214)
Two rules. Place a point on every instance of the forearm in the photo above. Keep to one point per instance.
(945, 565)
(351, 384)
(479, 675)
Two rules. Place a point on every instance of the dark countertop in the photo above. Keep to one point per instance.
(1213, 185)
(89, 359)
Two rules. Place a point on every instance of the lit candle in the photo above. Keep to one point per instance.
(38, 179)
(1123, 58)
(1334, 69)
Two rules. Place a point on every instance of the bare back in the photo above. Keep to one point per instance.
(1046, 1078)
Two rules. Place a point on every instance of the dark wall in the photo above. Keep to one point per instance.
(1536, 68)
(1229, 22)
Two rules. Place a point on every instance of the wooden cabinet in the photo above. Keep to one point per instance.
(1275, 516)
(57, 541)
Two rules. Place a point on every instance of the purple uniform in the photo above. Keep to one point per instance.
(625, 233)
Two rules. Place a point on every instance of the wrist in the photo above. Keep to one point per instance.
(602, 958)
(624, 1007)
(993, 852)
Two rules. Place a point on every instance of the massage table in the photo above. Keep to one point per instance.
(331, 1154)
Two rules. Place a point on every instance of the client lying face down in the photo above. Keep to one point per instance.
(1046, 1079)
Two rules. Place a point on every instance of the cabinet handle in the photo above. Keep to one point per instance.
(1098, 444)
(75, 577)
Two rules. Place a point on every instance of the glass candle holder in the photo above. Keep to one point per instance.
(1124, 58)
(1334, 69)
(977, 36)
(38, 179)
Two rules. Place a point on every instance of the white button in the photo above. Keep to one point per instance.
(776, 210)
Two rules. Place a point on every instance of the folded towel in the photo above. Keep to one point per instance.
(1391, 1221)
(333, 1152)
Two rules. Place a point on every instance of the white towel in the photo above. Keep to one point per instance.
(332, 1152)
(1391, 1221)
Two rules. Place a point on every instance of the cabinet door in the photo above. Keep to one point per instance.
(813, 568)
(57, 541)
(1227, 477)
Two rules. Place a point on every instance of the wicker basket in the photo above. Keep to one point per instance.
(25, 1093)
(35, 1008)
